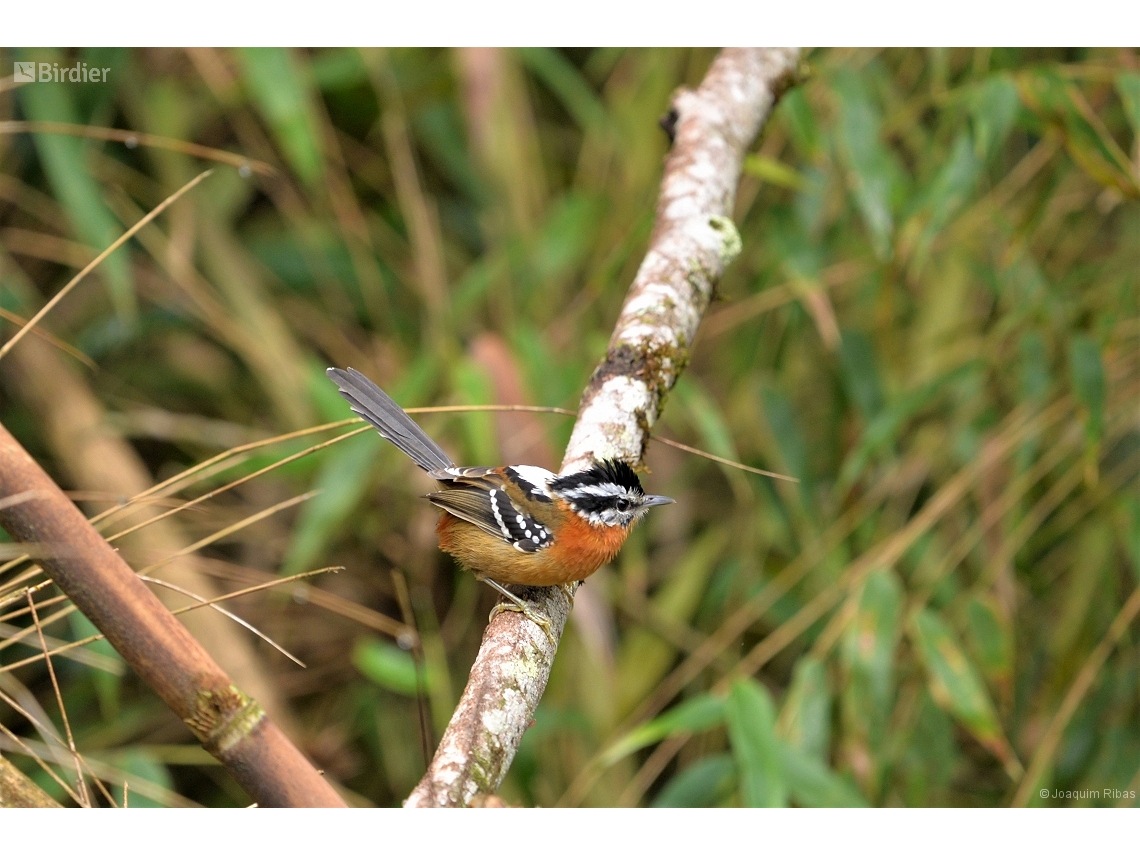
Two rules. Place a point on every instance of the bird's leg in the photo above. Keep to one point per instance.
(517, 605)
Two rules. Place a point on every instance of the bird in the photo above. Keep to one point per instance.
(517, 524)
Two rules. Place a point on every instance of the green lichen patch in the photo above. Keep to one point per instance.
(655, 365)
(223, 717)
(730, 242)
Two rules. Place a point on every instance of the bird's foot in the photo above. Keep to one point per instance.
(514, 604)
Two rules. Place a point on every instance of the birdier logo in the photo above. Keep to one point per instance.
(52, 72)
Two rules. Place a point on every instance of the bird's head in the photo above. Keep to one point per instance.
(607, 494)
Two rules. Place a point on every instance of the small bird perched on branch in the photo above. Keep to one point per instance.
(513, 525)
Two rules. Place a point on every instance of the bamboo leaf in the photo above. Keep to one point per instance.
(386, 665)
(706, 783)
(343, 483)
(812, 784)
(955, 684)
(797, 114)
(773, 171)
(142, 765)
(280, 89)
(567, 82)
(805, 720)
(1087, 371)
(1079, 589)
(1057, 102)
(1128, 88)
(877, 179)
(751, 731)
(1035, 379)
(790, 438)
(644, 657)
(474, 387)
(714, 431)
(885, 428)
(868, 654)
(692, 716)
(993, 109)
(948, 191)
(861, 372)
(991, 638)
(65, 164)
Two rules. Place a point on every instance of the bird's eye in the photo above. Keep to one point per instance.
(623, 504)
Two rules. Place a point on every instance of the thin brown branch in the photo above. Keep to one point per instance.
(238, 620)
(40, 762)
(230, 725)
(84, 796)
(46, 730)
(69, 647)
(221, 534)
(232, 484)
(1047, 747)
(59, 344)
(318, 597)
(73, 424)
(693, 240)
(688, 448)
(131, 139)
(195, 473)
(82, 274)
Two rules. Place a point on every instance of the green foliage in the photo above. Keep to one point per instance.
(806, 716)
(144, 769)
(705, 783)
(752, 732)
(932, 324)
(954, 682)
(868, 658)
(692, 716)
(278, 88)
(65, 163)
(386, 665)
(1088, 383)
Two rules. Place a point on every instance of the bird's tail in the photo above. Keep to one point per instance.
(372, 404)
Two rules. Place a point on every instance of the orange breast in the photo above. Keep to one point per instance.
(578, 550)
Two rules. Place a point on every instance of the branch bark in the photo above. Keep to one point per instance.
(229, 724)
(20, 791)
(693, 240)
(92, 457)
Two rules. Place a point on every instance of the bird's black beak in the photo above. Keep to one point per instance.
(650, 501)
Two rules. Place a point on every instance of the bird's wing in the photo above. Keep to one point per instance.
(483, 504)
(470, 504)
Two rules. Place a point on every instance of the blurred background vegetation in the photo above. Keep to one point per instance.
(933, 326)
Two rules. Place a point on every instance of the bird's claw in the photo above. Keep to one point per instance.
(542, 621)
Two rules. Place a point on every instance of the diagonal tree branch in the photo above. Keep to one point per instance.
(693, 240)
(73, 425)
(230, 725)
(18, 790)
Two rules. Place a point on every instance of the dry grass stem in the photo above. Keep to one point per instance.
(82, 274)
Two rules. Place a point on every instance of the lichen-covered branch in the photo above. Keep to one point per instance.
(693, 240)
